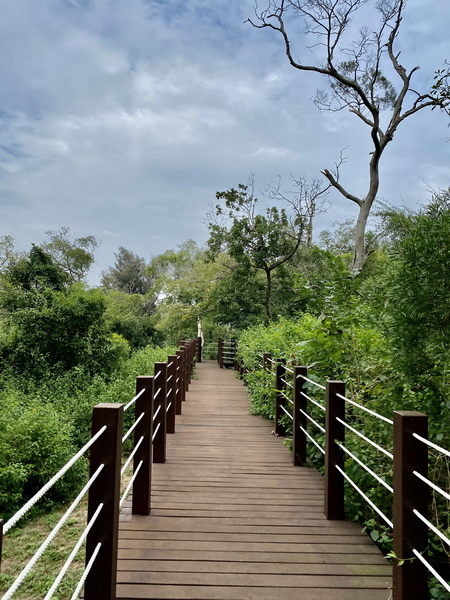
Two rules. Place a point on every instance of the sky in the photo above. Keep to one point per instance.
(123, 118)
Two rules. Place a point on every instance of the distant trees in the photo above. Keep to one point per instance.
(358, 66)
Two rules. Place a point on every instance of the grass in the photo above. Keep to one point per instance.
(21, 542)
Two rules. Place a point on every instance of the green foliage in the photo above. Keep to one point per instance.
(74, 258)
(34, 444)
(129, 274)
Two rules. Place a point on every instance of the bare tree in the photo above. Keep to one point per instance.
(356, 75)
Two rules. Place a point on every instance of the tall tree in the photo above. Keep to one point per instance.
(259, 241)
(74, 257)
(356, 72)
(129, 274)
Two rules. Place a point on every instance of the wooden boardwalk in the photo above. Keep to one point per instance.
(232, 519)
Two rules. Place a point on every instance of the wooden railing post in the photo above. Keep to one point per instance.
(220, 352)
(299, 419)
(107, 451)
(141, 500)
(410, 579)
(160, 421)
(199, 349)
(181, 382)
(334, 455)
(267, 357)
(179, 385)
(171, 392)
(1, 539)
(280, 400)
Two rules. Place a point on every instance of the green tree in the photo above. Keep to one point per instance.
(419, 292)
(129, 274)
(75, 258)
(257, 241)
(355, 64)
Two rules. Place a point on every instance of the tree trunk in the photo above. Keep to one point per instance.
(268, 295)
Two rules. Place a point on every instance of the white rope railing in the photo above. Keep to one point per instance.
(318, 425)
(87, 570)
(130, 458)
(322, 387)
(366, 468)
(432, 570)
(133, 400)
(130, 484)
(156, 412)
(157, 393)
(72, 555)
(431, 444)
(365, 438)
(286, 412)
(26, 507)
(133, 427)
(367, 410)
(432, 485)
(432, 527)
(311, 439)
(313, 401)
(51, 536)
(155, 432)
(366, 498)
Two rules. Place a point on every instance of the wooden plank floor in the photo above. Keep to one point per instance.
(232, 519)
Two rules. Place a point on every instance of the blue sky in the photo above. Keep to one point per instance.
(122, 118)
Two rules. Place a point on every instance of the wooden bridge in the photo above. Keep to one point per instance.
(232, 519)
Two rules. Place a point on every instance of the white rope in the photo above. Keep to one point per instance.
(33, 560)
(74, 552)
(369, 441)
(289, 370)
(128, 488)
(366, 498)
(432, 527)
(432, 485)
(170, 364)
(156, 413)
(155, 432)
(371, 412)
(157, 375)
(169, 392)
(313, 440)
(428, 443)
(158, 392)
(433, 571)
(313, 401)
(322, 387)
(131, 402)
(133, 427)
(26, 507)
(77, 591)
(130, 458)
(287, 413)
(169, 378)
(286, 382)
(322, 429)
(377, 477)
(168, 407)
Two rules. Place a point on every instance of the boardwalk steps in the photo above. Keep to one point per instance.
(232, 519)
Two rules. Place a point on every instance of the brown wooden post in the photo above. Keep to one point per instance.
(199, 349)
(160, 421)
(171, 392)
(220, 353)
(280, 400)
(1, 539)
(107, 450)
(179, 385)
(334, 455)
(267, 357)
(410, 580)
(141, 500)
(300, 404)
(181, 375)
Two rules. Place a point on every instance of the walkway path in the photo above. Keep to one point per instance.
(232, 519)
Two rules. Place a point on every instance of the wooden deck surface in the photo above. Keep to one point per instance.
(232, 519)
